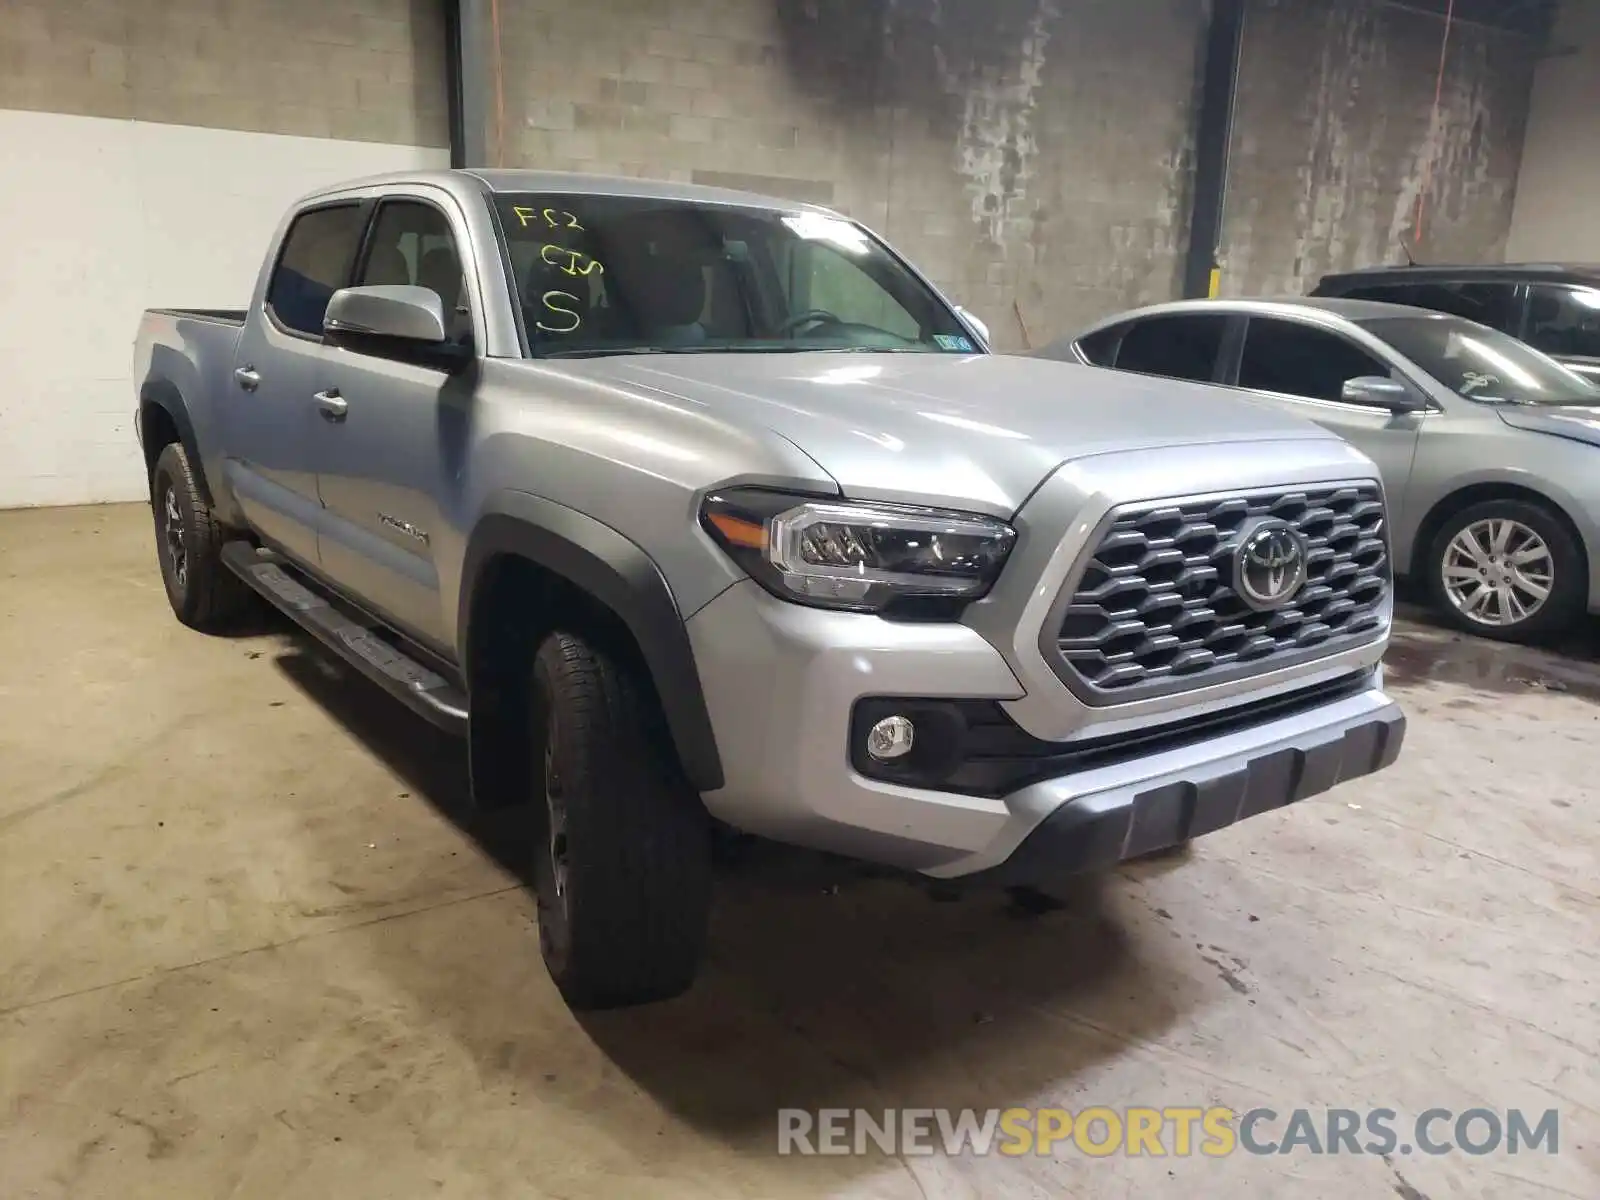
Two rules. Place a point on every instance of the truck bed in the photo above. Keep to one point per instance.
(220, 316)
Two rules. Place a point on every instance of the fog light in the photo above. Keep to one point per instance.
(891, 738)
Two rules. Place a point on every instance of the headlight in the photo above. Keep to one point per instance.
(863, 557)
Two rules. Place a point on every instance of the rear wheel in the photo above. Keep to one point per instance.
(623, 867)
(1507, 569)
(204, 594)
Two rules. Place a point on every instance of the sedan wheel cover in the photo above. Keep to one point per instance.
(1498, 572)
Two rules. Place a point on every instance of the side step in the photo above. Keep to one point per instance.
(425, 692)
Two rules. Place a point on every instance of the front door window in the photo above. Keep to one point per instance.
(1298, 360)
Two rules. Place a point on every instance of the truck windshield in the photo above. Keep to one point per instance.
(1482, 364)
(601, 275)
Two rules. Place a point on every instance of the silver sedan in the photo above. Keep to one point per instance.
(1489, 450)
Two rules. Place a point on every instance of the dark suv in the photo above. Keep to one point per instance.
(1553, 307)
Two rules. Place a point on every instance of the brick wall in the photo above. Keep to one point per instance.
(1335, 140)
(1032, 155)
(362, 70)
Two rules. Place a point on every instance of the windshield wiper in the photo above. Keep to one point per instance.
(874, 350)
(606, 351)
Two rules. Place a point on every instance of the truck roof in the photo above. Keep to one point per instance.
(1528, 271)
(1264, 306)
(504, 180)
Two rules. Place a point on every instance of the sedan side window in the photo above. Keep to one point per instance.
(1298, 360)
(1565, 321)
(411, 243)
(1100, 347)
(314, 264)
(1178, 347)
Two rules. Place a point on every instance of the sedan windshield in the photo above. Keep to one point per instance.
(632, 275)
(1482, 364)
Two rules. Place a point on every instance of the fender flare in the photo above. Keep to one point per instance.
(163, 394)
(614, 570)
(1566, 506)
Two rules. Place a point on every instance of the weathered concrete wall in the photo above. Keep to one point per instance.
(363, 70)
(1335, 140)
(1032, 155)
(1558, 192)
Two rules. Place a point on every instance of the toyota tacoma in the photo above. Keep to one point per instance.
(691, 509)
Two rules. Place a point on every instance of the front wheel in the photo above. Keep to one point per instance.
(1507, 569)
(623, 866)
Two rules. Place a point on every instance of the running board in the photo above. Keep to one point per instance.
(426, 692)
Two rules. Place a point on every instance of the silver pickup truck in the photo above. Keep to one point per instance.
(688, 506)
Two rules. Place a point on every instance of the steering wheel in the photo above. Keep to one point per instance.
(812, 316)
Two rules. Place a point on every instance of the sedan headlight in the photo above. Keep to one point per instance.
(858, 556)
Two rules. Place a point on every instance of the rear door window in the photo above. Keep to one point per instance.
(1180, 346)
(315, 263)
(1565, 321)
(1298, 360)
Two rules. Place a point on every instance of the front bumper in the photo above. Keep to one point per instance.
(781, 681)
(1100, 828)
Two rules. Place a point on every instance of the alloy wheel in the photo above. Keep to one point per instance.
(173, 535)
(1498, 572)
(554, 894)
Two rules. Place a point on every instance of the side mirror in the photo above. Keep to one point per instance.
(978, 326)
(402, 312)
(1379, 391)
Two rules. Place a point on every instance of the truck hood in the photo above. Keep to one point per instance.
(1580, 423)
(978, 432)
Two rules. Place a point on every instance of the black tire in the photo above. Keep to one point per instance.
(1569, 585)
(623, 864)
(204, 594)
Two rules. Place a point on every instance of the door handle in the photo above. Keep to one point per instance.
(333, 405)
(247, 377)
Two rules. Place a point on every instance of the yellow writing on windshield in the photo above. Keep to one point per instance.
(560, 311)
(567, 260)
(571, 319)
(554, 218)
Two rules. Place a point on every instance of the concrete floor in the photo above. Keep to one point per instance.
(252, 945)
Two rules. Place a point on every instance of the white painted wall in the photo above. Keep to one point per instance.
(1557, 215)
(102, 219)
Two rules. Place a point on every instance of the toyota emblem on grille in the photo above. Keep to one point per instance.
(1269, 568)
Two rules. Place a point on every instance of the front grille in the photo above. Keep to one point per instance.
(1155, 609)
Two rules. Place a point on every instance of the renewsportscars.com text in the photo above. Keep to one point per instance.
(1172, 1130)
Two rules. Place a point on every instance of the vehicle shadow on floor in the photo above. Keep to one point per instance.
(828, 984)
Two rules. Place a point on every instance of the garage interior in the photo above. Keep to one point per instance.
(254, 940)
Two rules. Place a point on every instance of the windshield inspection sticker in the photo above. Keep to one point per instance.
(953, 341)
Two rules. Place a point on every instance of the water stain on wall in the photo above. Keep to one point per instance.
(1332, 160)
(972, 71)
(1010, 139)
